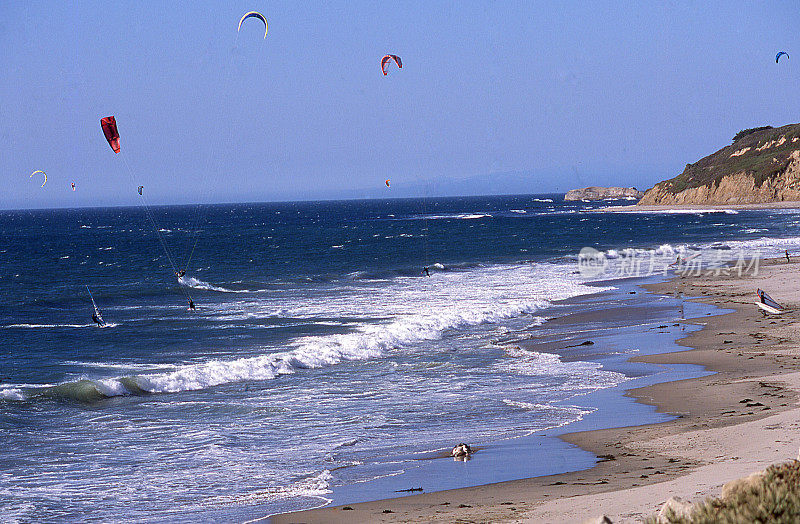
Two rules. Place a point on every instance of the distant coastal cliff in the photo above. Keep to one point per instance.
(761, 165)
(603, 193)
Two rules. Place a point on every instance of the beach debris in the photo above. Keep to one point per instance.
(347, 508)
(674, 507)
(461, 451)
(386, 59)
(409, 489)
(388, 511)
(584, 343)
(464, 506)
(254, 14)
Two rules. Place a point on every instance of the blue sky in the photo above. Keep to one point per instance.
(494, 97)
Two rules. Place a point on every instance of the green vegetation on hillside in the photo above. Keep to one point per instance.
(741, 156)
(745, 132)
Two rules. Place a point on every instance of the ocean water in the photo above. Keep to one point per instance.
(318, 348)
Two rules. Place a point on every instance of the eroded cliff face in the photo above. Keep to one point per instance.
(739, 188)
(760, 167)
(603, 193)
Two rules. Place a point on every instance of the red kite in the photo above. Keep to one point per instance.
(385, 60)
(109, 125)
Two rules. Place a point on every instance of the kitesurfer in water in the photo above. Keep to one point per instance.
(191, 305)
(97, 320)
(179, 273)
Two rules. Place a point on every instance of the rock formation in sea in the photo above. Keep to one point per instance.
(761, 165)
(604, 193)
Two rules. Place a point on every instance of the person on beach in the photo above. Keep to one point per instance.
(787, 256)
(425, 270)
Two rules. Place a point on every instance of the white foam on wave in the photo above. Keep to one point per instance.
(631, 210)
(50, 326)
(459, 216)
(708, 255)
(316, 486)
(199, 284)
(12, 393)
(370, 341)
(630, 262)
(542, 199)
(122, 365)
(557, 414)
(405, 313)
(518, 211)
(578, 376)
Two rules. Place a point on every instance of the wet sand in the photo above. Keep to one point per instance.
(729, 424)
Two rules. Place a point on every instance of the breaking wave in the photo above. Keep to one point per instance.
(199, 284)
(315, 486)
(371, 341)
(51, 326)
(459, 216)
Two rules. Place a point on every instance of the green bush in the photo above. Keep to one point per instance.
(775, 497)
(745, 132)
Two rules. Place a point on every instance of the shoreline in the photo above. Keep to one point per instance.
(642, 466)
(699, 207)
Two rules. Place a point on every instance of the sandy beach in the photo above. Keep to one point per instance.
(693, 207)
(738, 420)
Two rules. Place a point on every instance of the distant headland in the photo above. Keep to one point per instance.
(604, 193)
(762, 165)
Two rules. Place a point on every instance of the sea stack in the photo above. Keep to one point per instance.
(604, 193)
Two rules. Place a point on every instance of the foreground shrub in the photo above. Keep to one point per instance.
(772, 496)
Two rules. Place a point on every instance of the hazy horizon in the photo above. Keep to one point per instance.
(503, 99)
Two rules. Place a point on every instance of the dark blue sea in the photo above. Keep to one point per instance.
(320, 356)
